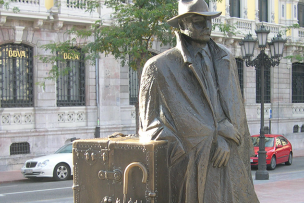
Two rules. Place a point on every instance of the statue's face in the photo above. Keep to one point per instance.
(196, 27)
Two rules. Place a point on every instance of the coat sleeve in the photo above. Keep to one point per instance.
(153, 124)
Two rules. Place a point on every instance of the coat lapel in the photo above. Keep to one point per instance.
(196, 69)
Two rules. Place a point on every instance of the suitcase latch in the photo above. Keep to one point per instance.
(110, 175)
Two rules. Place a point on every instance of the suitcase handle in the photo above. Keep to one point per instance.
(126, 178)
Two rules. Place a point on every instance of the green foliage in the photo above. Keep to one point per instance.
(297, 57)
(6, 5)
(135, 26)
(57, 53)
(16, 10)
(129, 37)
(288, 28)
(227, 29)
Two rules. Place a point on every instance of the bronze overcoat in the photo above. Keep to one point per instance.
(174, 106)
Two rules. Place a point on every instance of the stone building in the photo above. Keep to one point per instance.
(37, 120)
(284, 83)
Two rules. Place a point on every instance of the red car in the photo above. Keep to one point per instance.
(278, 150)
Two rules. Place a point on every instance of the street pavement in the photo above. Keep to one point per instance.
(282, 186)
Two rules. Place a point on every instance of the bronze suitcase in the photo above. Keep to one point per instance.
(120, 170)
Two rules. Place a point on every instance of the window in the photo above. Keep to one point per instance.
(20, 148)
(240, 67)
(235, 10)
(283, 11)
(301, 14)
(16, 76)
(302, 128)
(266, 85)
(263, 10)
(298, 83)
(71, 83)
(134, 84)
(278, 142)
(283, 141)
(295, 128)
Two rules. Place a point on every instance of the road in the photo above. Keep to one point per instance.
(296, 167)
(48, 191)
(45, 191)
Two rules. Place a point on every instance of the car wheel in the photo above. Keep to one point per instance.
(273, 163)
(289, 162)
(61, 172)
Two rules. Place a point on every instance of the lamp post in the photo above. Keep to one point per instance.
(276, 47)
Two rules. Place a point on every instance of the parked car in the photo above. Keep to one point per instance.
(278, 150)
(58, 165)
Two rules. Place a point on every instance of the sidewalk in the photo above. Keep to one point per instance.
(11, 176)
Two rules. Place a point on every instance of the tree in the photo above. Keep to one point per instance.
(135, 26)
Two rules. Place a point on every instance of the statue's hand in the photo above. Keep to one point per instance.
(226, 129)
(222, 153)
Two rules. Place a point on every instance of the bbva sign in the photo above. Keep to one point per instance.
(16, 53)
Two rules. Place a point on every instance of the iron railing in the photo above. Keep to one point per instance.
(20, 148)
(133, 86)
(16, 76)
(240, 67)
(71, 81)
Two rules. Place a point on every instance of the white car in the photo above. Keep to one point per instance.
(58, 165)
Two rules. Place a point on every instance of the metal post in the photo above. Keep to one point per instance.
(97, 129)
(269, 125)
(262, 173)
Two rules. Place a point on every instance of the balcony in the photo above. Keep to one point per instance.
(241, 27)
(64, 11)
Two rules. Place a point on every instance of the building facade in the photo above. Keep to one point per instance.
(283, 83)
(37, 120)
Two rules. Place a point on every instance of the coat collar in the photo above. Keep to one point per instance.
(216, 51)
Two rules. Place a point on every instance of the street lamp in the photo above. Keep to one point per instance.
(276, 47)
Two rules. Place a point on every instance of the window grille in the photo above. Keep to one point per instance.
(20, 148)
(263, 10)
(71, 83)
(267, 90)
(134, 84)
(240, 67)
(298, 83)
(234, 8)
(295, 128)
(16, 76)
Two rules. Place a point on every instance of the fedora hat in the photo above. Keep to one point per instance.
(187, 7)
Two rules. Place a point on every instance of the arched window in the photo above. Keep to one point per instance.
(16, 76)
(298, 83)
(71, 84)
(302, 128)
(266, 85)
(20, 148)
(234, 8)
(295, 128)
